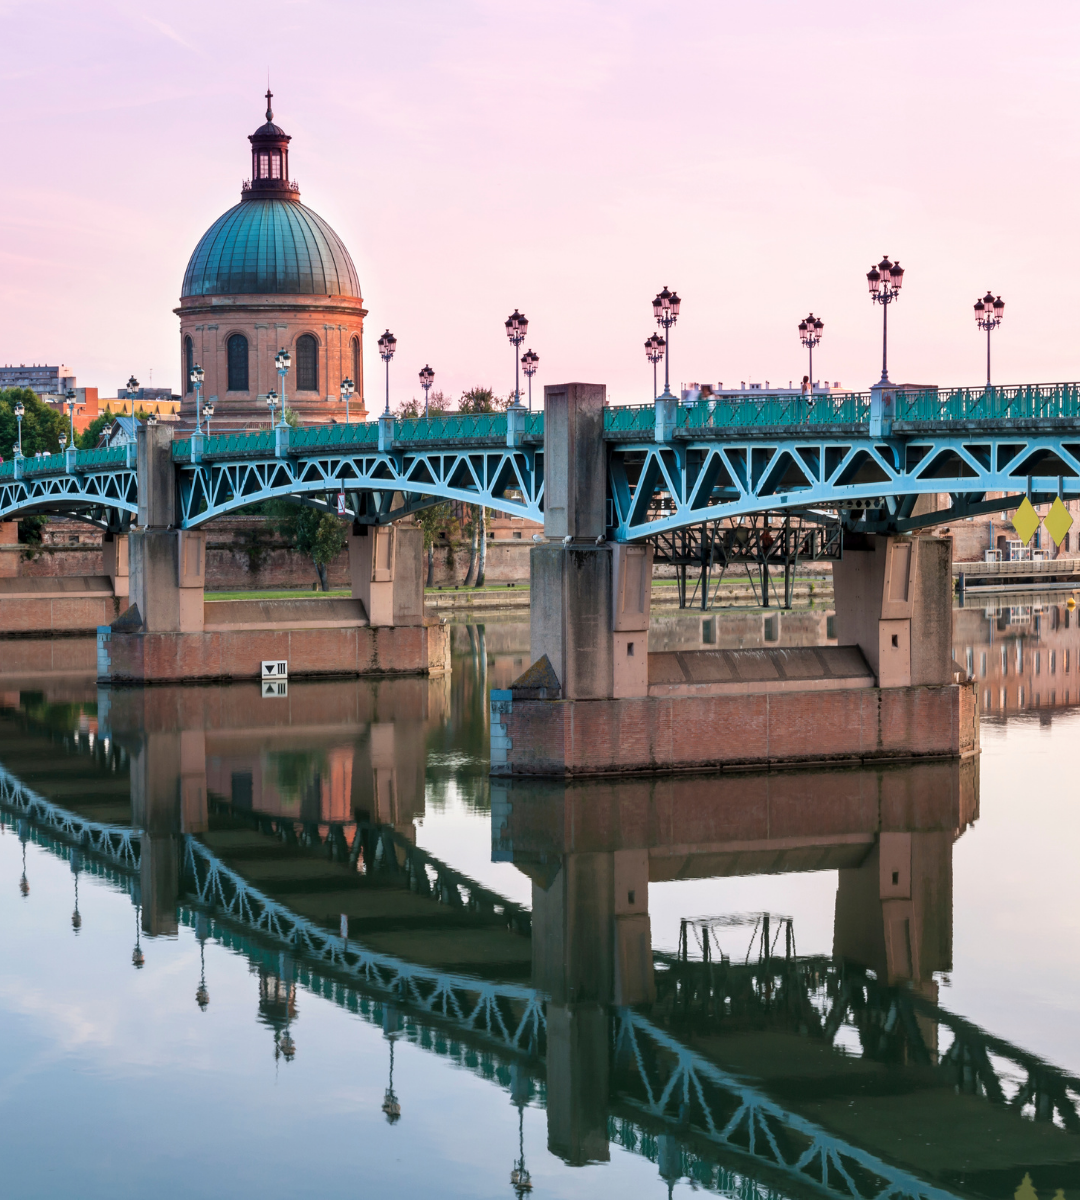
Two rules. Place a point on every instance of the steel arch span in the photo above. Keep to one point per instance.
(107, 496)
(655, 488)
(503, 478)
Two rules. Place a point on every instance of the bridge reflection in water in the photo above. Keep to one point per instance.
(287, 834)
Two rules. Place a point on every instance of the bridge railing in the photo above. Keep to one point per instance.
(1042, 401)
(841, 408)
(56, 464)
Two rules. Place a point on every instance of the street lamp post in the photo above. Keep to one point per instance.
(654, 352)
(197, 376)
(884, 281)
(283, 361)
(666, 311)
(347, 389)
(20, 412)
(530, 360)
(810, 335)
(208, 412)
(271, 404)
(69, 396)
(132, 388)
(517, 326)
(989, 313)
(387, 346)
(427, 378)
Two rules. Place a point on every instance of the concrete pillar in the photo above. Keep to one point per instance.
(893, 599)
(894, 912)
(168, 576)
(167, 565)
(592, 948)
(386, 571)
(114, 551)
(10, 553)
(156, 813)
(590, 598)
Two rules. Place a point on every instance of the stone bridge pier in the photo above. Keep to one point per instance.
(595, 701)
(170, 633)
(593, 848)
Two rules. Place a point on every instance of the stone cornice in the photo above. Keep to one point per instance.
(216, 305)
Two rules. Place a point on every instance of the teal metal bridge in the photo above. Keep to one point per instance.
(867, 455)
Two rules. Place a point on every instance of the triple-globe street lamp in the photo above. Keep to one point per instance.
(69, 397)
(347, 389)
(517, 325)
(884, 281)
(654, 352)
(197, 375)
(283, 361)
(989, 313)
(666, 311)
(427, 378)
(387, 346)
(530, 360)
(207, 412)
(132, 388)
(810, 335)
(20, 411)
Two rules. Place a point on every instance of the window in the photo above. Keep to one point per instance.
(189, 364)
(264, 166)
(356, 363)
(307, 364)
(275, 166)
(237, 348)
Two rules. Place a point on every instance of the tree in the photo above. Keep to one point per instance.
(41, 425)
(88, 439)
(438, 402)
(434, 521)
(320, 535)
(481, 400)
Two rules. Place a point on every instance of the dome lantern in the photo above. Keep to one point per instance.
(269, 162)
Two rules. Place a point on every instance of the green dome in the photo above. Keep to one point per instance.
(270, 247)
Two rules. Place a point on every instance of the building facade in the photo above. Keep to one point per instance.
(45, 380)
(271, 275)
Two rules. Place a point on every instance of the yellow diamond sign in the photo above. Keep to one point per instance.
(1058, 521)
(1025, 521)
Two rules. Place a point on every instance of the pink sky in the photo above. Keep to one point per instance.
(565, 158)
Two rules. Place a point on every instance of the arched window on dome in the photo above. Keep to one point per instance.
(356, 362)
(189, 363)
(237, 350)
(307, 364)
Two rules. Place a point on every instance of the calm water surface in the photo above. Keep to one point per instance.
(304, 945)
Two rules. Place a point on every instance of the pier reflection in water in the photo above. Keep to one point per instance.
(326, 886)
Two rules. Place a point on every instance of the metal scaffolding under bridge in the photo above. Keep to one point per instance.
(758, 544)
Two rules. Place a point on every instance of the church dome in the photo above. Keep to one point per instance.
(266, 246)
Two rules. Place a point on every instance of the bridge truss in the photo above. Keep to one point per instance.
(873, 483)
(105, 494)
(379, 486)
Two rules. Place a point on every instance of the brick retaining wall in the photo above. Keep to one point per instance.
(698, 733)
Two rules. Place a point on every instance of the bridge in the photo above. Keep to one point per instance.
(667, 1072)
(869, 455)
(609, 484)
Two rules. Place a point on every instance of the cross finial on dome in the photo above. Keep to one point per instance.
(269, 110)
